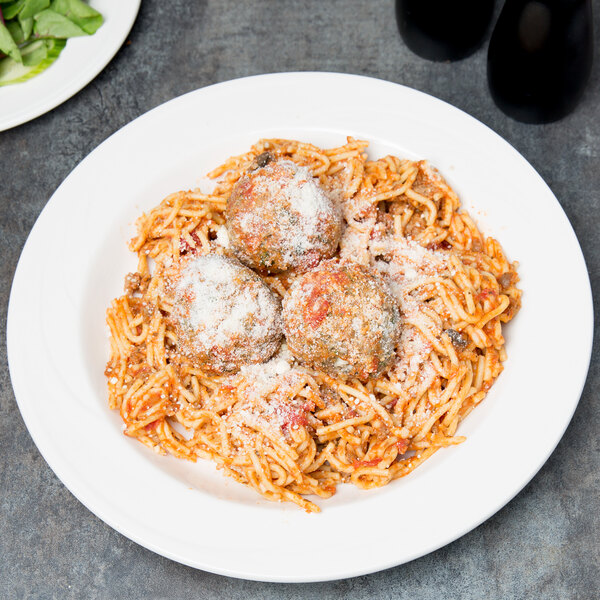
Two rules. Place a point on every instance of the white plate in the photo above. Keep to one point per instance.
(81, 60)
(74, 262)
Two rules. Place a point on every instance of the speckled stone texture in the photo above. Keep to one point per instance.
(544, 544)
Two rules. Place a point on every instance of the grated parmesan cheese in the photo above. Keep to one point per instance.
(279, 217)
(224, 314)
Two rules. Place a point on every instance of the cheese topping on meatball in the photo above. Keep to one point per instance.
(341, 319)
(279, 218)
(224, 315)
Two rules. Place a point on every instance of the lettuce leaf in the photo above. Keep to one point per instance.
(52, 24)
(15, 72)
(25, 24)
(32, 7)
(10, 11)
(8, 45)
(80, 13)
(16, 32)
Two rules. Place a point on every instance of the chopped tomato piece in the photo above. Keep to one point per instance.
(152, 426)
(443, 245)
(184, 246)
(402, 446)
(486, 293)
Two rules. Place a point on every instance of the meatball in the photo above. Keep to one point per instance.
(224, 315)
(279, 218)
(341, 319)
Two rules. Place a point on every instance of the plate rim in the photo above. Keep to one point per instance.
(355, 572)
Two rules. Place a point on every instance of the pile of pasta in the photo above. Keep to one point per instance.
(282, 428)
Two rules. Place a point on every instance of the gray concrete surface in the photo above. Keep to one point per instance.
(544, 544)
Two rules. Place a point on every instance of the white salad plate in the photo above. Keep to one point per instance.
(75, 260)
(80, 61)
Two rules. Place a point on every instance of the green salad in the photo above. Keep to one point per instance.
(34, 32)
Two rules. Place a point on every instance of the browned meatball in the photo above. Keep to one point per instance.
(279, 218)
(341, 319)
(224, 315)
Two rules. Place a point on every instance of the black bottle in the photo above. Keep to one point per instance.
(443, 29)
(540, 58)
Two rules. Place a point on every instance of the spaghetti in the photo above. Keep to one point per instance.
(283, 428)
